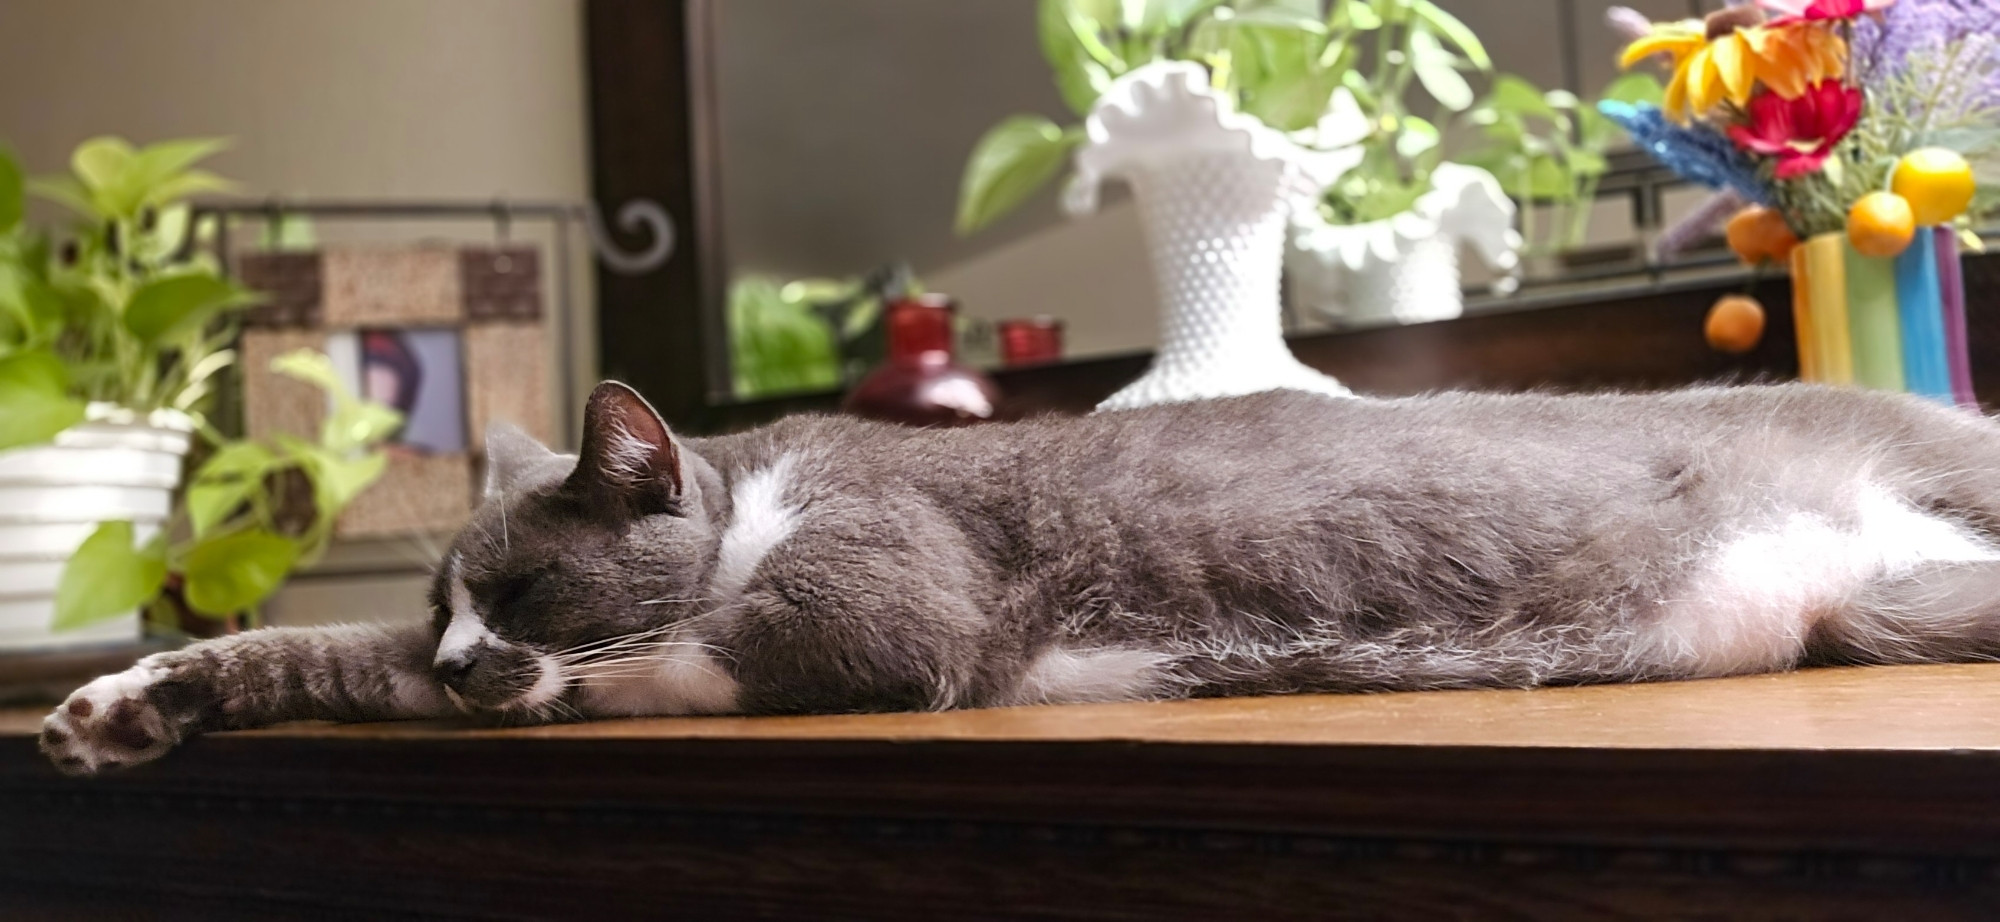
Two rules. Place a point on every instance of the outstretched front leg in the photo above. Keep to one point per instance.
(348, 673)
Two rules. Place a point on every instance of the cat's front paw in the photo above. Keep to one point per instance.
(110, 723)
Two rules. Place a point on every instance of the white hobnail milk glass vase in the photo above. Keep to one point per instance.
(1404, 269)
(1215, 190)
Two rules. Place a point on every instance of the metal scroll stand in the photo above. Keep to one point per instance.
(636, 217)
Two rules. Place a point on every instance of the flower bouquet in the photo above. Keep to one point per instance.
(1843, 135)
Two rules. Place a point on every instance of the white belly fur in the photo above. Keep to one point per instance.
(1759, 594)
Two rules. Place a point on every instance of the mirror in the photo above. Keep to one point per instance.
(844, 130)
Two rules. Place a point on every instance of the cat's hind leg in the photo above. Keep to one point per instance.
(350, 672)
(1932, 613)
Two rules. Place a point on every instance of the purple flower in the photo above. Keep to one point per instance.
(1887, 46)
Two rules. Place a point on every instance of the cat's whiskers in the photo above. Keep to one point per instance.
(647, 662)
(594, 646)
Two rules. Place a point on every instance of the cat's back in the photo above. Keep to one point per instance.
(1298, 438)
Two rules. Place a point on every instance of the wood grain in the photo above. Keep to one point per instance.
(1849, 793)
(1953, 707)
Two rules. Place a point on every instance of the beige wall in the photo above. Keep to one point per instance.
(456, 99)
(324, 97)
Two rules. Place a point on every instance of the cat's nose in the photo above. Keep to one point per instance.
(454, 670)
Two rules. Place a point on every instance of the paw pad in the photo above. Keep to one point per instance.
(107, 724)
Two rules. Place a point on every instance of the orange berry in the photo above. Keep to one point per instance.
(1937, 182)
(1735, 324)
(1759, 234)
(1880, 224)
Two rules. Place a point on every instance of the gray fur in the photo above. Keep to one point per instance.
(1274, 543)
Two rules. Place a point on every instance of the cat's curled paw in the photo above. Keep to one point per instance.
(109, 724)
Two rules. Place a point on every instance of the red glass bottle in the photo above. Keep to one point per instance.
(920, 384)
(1030, 340)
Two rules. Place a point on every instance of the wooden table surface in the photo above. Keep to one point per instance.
(1840, 793)
(1893, 708)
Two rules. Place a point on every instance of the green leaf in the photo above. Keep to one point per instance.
(233, 573)
(1514, 96)
(168, 233)
(1597, 130)
(193, 182)
(312, 367)
(1358, 13)
(353, 424)
(1548, 180)
(1364, 92)
(31, 303)
(1080, 76)
(34, 399)
(64, 191)
(1635, 88)
(107, 577)
(157, 163)
(13, 189)
(1014, 159)
(1417, 137)
(175, 304)
(1583, 163)
(1173, 14)
(1452, 30)
(224, 483)
(1277, 75)
(103, 165)
(358, 424)
(338, 480)
(1277, 15)
(1436, 71)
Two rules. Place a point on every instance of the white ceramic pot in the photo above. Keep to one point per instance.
(114, 466)
(1404, 269)
(1214, 189)
(1420, 286)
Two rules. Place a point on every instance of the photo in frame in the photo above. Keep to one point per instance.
(452, 337)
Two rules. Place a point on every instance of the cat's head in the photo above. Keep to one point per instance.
(572, 559)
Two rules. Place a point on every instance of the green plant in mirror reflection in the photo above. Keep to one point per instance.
(1550, 147)
(1282, 61)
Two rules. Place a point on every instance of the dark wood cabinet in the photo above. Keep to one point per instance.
(1829, 794)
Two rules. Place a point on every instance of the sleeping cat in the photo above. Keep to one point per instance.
(1267, 544)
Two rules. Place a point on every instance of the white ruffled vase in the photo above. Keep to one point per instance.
(1404, 269)
(1215, 190)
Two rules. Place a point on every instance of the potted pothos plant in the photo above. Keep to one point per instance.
(1276, 61)
(1210, 112)
(1384, 241)
(1550, 148)
(112, 342)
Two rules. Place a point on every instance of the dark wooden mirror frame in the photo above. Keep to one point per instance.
(653, 134)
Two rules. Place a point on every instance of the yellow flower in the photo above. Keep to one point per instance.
(1712, 65)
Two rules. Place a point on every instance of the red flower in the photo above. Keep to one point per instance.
(1799, 132)
(1790, 11)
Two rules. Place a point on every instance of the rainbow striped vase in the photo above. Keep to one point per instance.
(1891, 324)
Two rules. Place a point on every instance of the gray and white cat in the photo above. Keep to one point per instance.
(1265, 544)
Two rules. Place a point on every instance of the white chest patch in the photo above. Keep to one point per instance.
(1760, 593)
(1066, 676)
(688, 680)
(759, 519)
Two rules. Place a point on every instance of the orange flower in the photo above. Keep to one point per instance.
(1791, 58)
(1714, 64)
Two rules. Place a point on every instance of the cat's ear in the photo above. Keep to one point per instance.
(511, 455)
(628, 458)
